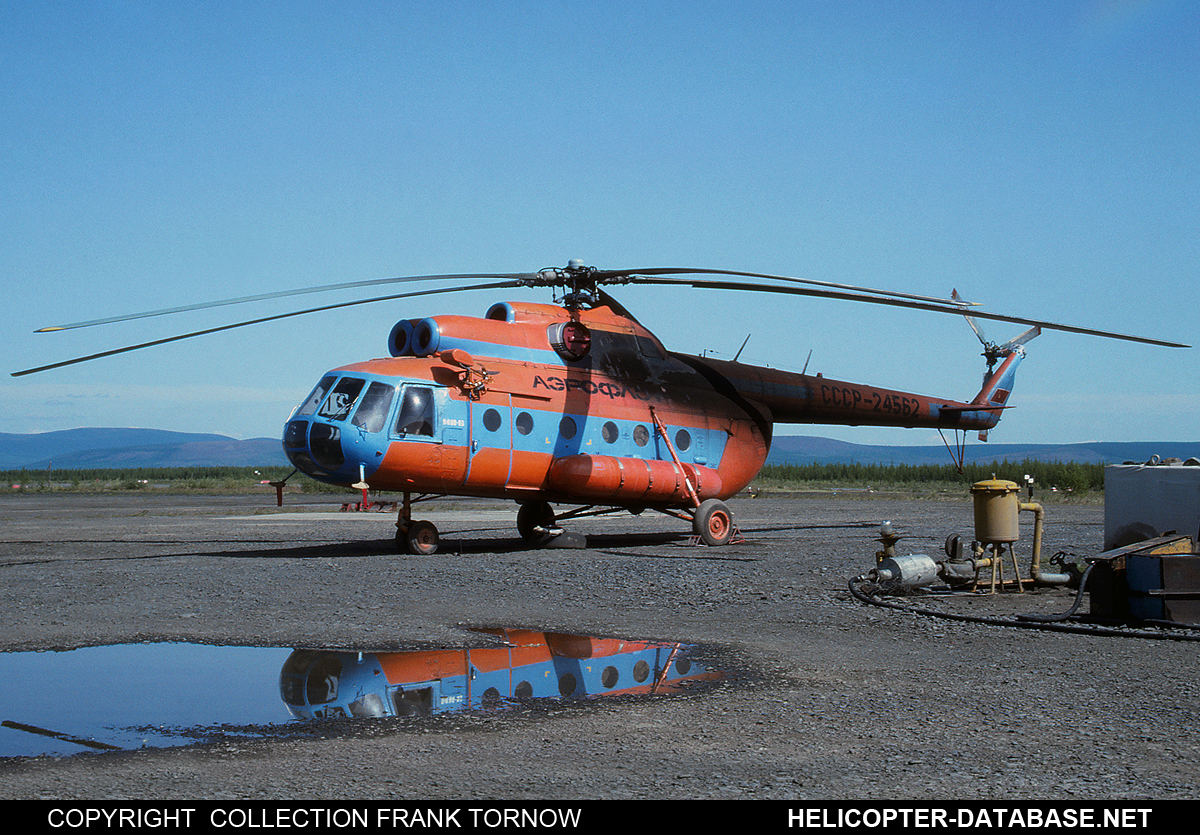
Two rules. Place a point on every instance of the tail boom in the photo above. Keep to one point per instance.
(789, 397)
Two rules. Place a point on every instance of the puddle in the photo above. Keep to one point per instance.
(527, 665)
(134, 695)
(167, 694)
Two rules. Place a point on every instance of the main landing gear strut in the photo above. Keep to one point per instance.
(712, 524)
(712, 521)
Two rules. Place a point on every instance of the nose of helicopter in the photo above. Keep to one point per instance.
(338, 434)
(323, 451)
(305, 448)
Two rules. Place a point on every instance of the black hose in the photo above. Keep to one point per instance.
(1074, 606)
(1028, 623)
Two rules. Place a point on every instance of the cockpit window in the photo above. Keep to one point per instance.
(373, 410)
(309, 676)
(416, 412)
(318, 394)
(323, 680)
(341, 399)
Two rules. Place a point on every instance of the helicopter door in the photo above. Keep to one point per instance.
(415, 699)
(490, 461)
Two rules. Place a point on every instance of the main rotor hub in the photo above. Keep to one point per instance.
(579, 283)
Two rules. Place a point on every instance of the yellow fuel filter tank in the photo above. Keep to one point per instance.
(997, 510)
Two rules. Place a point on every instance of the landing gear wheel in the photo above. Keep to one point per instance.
(534, 515)
(421, 538)
(713, 523)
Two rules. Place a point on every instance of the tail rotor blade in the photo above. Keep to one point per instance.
(1011, 344)
(957, 299)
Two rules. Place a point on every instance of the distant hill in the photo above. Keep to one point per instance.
(805, 449)
(82, 449)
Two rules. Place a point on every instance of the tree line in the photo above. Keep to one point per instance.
(133, 478)
(1064, 475)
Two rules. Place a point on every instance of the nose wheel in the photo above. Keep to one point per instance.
(415, 537)
(420, 538)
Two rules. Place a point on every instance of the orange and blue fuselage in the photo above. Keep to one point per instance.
(536, 402)
(527, 665)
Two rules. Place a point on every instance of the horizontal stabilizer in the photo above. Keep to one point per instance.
(985, 407)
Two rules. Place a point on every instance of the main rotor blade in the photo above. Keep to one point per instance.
(283, 294)
(956, 310)
(633, 275)
(491, 286)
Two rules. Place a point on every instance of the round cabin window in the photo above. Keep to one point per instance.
(566, 428)
(609, 432)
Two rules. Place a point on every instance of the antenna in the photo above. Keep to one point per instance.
(739, 353)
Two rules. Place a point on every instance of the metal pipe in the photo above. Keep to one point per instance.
(1046, 578)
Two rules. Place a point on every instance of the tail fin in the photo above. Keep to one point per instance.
(998, 382)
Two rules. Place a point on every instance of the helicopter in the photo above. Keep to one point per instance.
(524, 665)
(577, 403)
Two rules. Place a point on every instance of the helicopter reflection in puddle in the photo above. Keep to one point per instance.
(528, 664)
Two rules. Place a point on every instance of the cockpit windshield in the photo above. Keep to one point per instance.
(341, 400)
(373, 410)
(336, 402)
(311, 402)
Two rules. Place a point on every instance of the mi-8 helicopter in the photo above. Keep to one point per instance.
(577, 403)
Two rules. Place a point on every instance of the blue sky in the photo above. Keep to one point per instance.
(1040, 157)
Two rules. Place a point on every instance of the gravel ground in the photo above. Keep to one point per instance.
(825, 697)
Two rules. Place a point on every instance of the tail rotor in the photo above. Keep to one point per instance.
(992, 352)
